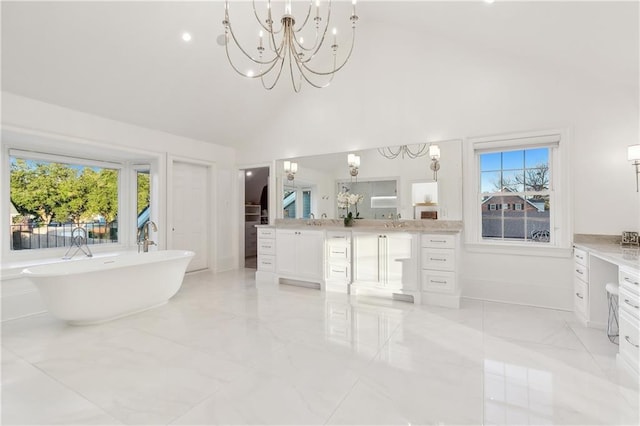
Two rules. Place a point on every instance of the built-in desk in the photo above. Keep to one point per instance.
(598, 261)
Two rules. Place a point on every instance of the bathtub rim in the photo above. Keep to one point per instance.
(28, 272)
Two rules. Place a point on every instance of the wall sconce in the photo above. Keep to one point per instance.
(633, 154)
(354, 163)
(290, 168)
(434, 153)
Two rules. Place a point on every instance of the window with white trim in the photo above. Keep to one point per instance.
(518, 180)
(50, 195)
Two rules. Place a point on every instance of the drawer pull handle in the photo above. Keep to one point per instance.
(438, 282)
(630, 342)
(631, 304)
(438, 241)
(266, 263)
(337, 270)
(627, 279)
(579, 257)
(578, 294)
(435, 258)
(579, 271)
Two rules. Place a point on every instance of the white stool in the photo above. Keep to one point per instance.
(612, 322)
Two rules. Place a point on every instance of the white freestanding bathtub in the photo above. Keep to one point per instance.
(89, 291)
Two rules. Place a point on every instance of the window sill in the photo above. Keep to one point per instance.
(519, 250)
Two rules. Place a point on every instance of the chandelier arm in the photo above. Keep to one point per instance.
(265, 27)
(266, 86)
(317, 44)
(387, 152)
(292, 52)
(312, 83)
(306, 19)
(420, 153)
(251, 58)
(316, 48)
(353, 39)
(272, 64)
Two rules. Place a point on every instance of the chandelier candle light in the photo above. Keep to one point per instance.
(285, 43)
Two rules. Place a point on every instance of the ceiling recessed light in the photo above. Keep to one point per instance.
(489, 1)
(186, 37)
(250, 73)
(249, 172)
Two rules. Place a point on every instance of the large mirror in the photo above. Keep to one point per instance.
(402, 186)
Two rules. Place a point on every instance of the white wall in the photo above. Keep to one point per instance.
(32, 115)
(429, 89)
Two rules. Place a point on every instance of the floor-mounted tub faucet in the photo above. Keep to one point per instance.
(143, 236)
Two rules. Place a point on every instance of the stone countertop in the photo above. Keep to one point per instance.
(606, 248)
(369, 225)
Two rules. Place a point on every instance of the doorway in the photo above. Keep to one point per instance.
(256, 210)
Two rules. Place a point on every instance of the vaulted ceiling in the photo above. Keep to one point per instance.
(126, 60)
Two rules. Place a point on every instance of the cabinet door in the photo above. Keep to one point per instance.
(309, 254)
(366, 253)
(398, 251)
(286, 251)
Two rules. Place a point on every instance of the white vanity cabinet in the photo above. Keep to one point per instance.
(438, 269)
(629, 317)
(299, 254)
(338, 261)
(581, 284)
(385, 262)
(266, 248)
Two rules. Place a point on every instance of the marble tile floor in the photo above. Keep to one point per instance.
(225, 352)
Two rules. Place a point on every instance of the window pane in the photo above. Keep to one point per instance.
(50, 199)
(143, 208)
(512, 160)
(306, 204)
(491, 218)
(490, 182)
(289, 203)
(537, 179)
(513, 181)
(489, 162)
(538, 218)
(536, 157)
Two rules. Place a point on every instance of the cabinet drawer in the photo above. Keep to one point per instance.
(580, 256)
(629, 339)
(629, 279)
(580, 295)
(438, 241)
(266, 263)
(266, 233)
(439, 259)
(266, 247)
(338, 237)
(581, 272)
(438, 281)
(338, 252)
(338, 272)
(629, 301)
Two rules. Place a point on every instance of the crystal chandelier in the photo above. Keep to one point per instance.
(285, 44)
